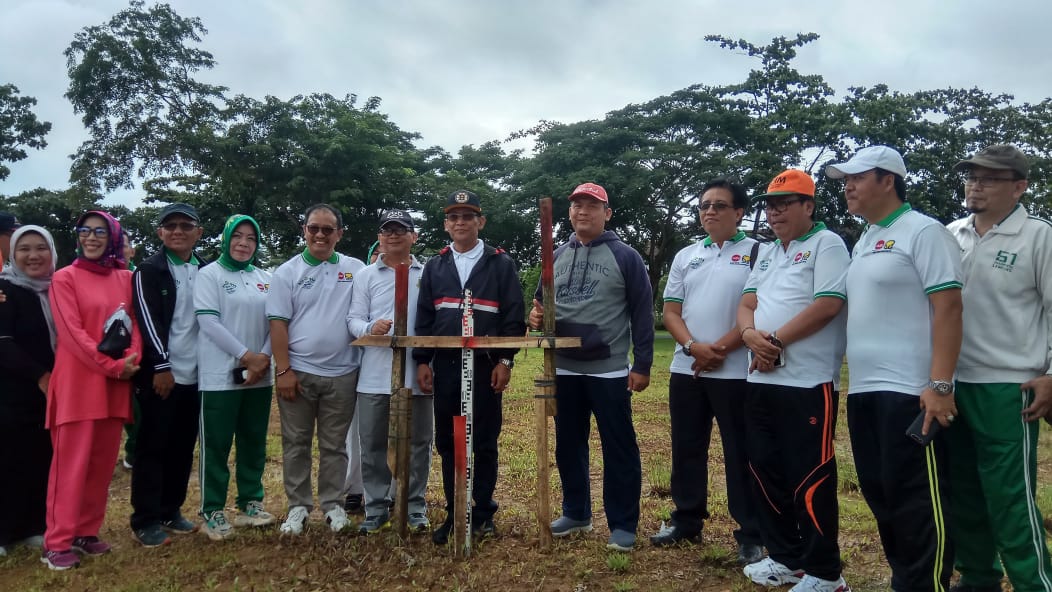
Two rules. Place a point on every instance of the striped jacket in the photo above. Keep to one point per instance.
(499, 309)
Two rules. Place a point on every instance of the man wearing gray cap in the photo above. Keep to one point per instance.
(903, 336)
(1003, 386)
(166, 386)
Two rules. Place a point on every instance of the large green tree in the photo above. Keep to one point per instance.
(132, 81)
(19, 127)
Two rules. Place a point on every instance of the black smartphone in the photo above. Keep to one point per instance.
(779, 362)
(240, 375)
(914, 431)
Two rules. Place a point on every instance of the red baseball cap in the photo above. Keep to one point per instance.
(591, 190)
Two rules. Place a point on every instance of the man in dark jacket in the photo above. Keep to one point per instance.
(498, 309)
(166, 386)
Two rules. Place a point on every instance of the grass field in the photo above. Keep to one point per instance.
(320, 560)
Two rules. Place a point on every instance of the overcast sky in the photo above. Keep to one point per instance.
(466, 72)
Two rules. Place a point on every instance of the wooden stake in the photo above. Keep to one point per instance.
(401, 409)
(544, 402)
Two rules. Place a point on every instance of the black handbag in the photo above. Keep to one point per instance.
(116, 337)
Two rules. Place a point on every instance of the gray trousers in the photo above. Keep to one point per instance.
(373, 414)
(327, 402)
(353, 483)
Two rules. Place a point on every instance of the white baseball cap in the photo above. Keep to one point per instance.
(873, 157)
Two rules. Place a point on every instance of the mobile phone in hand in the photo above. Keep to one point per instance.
(914, 431)
(240, 375)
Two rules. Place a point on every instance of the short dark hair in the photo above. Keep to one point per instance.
(324, 206)
(900, 183)
(739, 198)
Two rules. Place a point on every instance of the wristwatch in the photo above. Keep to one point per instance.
(686, 347)
(507, 362)
(941, 387)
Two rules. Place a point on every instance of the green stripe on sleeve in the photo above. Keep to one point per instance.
(206, 311)
(943, 286)
(830, 294)
(749, 291)
(274, 318)
(679, 300)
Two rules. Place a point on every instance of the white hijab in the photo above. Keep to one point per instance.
(39, 286)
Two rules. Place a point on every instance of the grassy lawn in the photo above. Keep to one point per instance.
(320, 560)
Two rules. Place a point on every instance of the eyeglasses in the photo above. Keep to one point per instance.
(719, 206)
(781, 206)
(184, 226)
(324, 230)
(397, 230)
(973, 180)
(98, 231)
(454, 217)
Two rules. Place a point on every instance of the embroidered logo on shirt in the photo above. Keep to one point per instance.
(345, 276)
(801, 257)
(229, 287)
(883, 246)
(263, 288)
(306, 283)
(695, 262)
(764, 264)
(1005, 260)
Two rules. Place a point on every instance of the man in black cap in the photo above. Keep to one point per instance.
(166, 386)
(498, 310)
(1003, 385)
(8, 225)
(372, 313)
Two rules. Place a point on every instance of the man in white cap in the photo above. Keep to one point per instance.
(903, 336)
(1003, 386)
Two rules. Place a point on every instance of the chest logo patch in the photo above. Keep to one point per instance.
(345, 276)
(1005, 260)
(801, 257)
(229, 287)
(695, 262)
(306, 283)
(740, 260)
(263, 287)
(764, 264)
(884, 246)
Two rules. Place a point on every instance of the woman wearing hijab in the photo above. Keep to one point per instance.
(27, 353)
(235, 379)
(89, 394)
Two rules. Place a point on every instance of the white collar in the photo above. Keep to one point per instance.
(474, 253)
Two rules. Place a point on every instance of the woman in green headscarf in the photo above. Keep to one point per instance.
(234, 377)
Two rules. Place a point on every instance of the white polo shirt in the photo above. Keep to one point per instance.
(896, 265)
(1007, 299)
(708, 281)
(182, 333)
(374, 298)
(788, 281)
(238, 298)
(315, 297)
(465, 262)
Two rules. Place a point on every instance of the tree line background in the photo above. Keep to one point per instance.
(152, 124)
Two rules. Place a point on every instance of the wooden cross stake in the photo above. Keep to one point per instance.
(545, 384)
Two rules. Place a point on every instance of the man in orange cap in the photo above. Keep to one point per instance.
(792, 318)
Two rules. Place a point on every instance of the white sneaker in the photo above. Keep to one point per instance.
(813, 584)
(336, 518)
(295, 521)
(769, 572)
(254, 515)
(215, 525)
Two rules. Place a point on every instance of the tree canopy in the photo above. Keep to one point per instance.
(153, 124)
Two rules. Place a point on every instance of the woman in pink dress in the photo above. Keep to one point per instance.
(89, 396)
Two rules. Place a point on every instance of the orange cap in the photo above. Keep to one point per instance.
(790, 182)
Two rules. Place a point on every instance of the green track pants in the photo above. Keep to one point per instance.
(225, 416)
(993, 471)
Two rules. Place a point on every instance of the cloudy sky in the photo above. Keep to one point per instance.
(468, 71)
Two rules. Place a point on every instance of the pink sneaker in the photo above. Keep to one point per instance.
(60, 560)
(91, 545)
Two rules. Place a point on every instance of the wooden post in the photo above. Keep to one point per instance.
(544, 394)
(401, 414)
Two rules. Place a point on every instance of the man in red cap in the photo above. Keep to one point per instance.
(603, 295)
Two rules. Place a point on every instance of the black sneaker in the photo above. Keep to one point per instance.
(484, 529)
(179, 525)
(440, 536)
(151, 536)
(749, 553)
(670, 535)
(353, 504)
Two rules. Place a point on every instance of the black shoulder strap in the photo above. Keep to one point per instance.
(752, 255)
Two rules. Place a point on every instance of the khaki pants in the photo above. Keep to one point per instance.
(328, 403)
